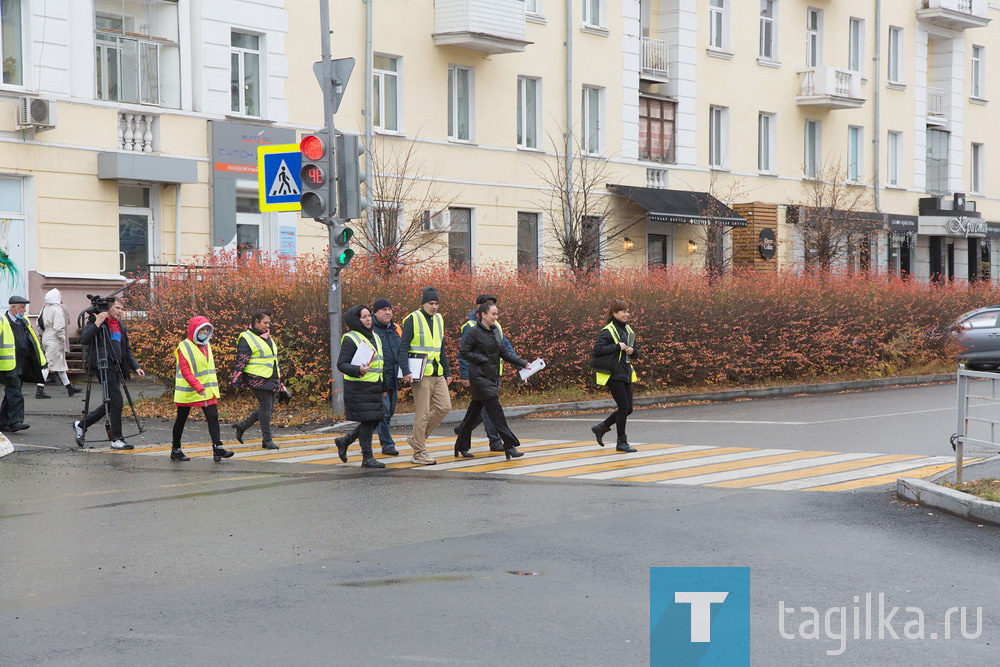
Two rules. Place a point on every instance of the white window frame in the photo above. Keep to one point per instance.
(977, 166)
(814, 38)
(767, 48)
(894, 157)
(767, 142)
(894, 55)
(855, 153)
(381, 79)
(718, 25)
(241, 54)
(718, 137)
(811, 153)
(532, 6)
(977, 79)
(588, 137)
(523, 85)
(453, 103)
(856, 45)
(23, 60)
(594, 13)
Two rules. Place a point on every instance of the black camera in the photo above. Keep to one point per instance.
(99, 304)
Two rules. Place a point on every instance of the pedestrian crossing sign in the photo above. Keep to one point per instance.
(278, 181)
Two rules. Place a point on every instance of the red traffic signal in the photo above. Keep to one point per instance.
(312, 147)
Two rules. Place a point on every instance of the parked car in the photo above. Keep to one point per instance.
(979, 337)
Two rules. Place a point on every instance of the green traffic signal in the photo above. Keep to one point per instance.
(343, 258)
(344, 236)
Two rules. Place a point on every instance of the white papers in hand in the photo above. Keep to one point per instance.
(363, 356)
(531, 369)
(417, 365)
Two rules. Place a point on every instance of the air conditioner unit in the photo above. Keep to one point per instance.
(37, 113)
(436, 221)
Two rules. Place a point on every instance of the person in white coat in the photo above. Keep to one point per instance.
(54, 322)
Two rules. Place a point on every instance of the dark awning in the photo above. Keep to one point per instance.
(682, 206)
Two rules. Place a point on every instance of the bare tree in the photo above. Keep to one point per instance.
(836, 218)
(404, 219)
(714, 234)
(586, 221)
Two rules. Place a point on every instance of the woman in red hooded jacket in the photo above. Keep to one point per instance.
(196, 386)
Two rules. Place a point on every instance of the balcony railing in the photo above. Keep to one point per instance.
(491, 26)
(136, 132)
(955, 14)
(936, 109)
(656, 57)
(830, 88)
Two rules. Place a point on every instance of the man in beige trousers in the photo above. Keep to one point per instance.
(423, 335)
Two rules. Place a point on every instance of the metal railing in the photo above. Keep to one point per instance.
(656, 56)
(973, 430)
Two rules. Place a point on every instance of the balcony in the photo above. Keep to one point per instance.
(490, 26)
(137, 132)
(655, 59)
(955, 14)
(936, 106)
(830, 88)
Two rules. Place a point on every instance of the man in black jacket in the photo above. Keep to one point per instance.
(29, 360)
(107, 329)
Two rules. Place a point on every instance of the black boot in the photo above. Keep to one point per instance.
(343, 442)
(390, 450)
(72, 391)
(599, 432)
(368, 459)
(218, 453)
(623, 446)
(40, 393)
(512, 453)
(239, 433)
(177, 455)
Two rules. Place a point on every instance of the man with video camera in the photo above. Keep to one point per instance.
(105, 325)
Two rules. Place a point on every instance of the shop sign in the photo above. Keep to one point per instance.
(902, 223)
(767, 243)
(966, 226)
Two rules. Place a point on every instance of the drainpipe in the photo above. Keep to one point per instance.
(177, 224)
(878, 124)
(569, 117)
(369, 65)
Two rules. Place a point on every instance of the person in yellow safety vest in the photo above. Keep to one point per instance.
(364, 383)
(257, 368)
(196, 385)
(423, 336)
(614, 351)
(21, 360)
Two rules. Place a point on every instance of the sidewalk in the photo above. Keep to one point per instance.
(61, 405)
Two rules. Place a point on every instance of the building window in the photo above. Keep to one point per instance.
(894, 150)
(528, 111)
(532, 6)
(593, 119)
(12, 42)
(938, 142)
(590, 237)
(768, 29)
(856, 45)
(385, 93)
(811, 154)
(460, 238)
(718, 136)
(593, 12)
(718, 28)
(978, 64)
(244, 74)
(459, 103)
(656, 129)
(814, 42)
(137, 52)
(659, 250)
(895, 55)
(527, 241)
(977, 164)
(767, 139)
(855, 156)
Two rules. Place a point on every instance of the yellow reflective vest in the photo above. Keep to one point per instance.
(8, 346)
(374, 373)
(427, 340)
(602, 378)
(203, 368)
(263, 359)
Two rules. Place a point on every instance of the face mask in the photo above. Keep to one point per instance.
(20, 317)
(202, 337)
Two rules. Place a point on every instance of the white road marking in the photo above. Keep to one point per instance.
(687, 463)
(757, 471)
(756, 422)
(873, 471)
(557, 465)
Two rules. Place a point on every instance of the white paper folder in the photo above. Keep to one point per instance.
(417, 365)
(531, 369)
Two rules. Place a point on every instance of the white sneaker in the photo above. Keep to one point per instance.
(422, 459)
(121, 444)
(78, 434)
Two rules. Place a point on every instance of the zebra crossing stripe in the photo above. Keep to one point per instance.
(885, 479)
(755, 468)
(587, 453)
(658, 471)
(822, 480)
(626, 466)
(778, 477)
(551, 469)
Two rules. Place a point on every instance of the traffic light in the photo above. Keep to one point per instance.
(318, 185)
(350, 176)
(341, 251)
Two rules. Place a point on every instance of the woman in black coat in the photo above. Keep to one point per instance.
(364, 386)
(614, 351)
(482, 348)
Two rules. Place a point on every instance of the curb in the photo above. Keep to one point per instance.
(455, 416)
(960, 504)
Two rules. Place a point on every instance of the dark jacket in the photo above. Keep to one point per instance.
(126, 361)
(482, 348)
(391, 339)
(362, 400)
(29, 364)
(403, 354)
(463, 365)
(606, 353)
(243, 379)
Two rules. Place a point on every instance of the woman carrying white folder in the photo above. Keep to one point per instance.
(360, 361)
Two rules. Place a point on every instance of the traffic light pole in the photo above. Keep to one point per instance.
(334, 302)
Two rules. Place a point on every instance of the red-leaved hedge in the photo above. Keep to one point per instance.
(742, 328)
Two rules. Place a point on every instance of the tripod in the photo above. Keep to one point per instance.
(103, 363)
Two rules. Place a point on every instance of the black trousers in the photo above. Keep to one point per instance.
(622, 393)
(211, 416)
(265, 406)
(115, 407)
(12, 407)
(365, 430)
(495, 412)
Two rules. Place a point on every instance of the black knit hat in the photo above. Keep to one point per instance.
(483, 298)
(430, 294)
(380, 304)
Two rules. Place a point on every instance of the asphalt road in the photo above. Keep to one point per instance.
(112, 559)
